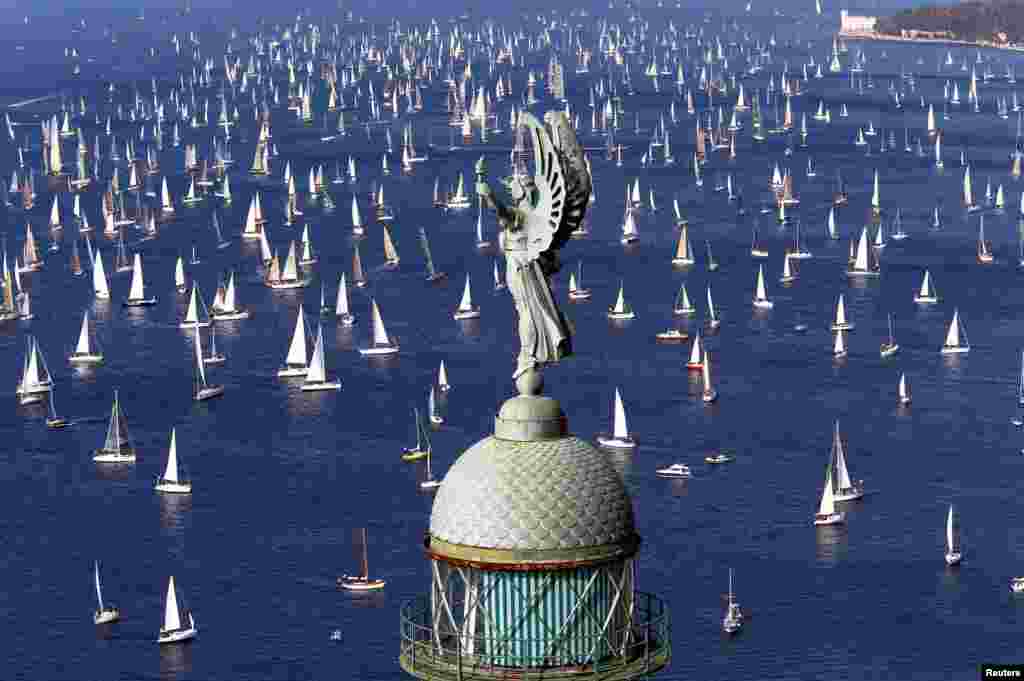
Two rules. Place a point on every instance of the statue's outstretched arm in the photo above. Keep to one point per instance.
(506, 215)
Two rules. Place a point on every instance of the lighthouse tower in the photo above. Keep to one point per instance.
(532, 550)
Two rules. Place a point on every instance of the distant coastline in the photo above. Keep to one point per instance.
(861, 35)
(967, 25)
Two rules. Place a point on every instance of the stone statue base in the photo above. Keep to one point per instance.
(531, 418)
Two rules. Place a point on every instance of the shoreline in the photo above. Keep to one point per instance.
(853, 35)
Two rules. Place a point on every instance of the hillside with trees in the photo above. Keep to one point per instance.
(998, 21)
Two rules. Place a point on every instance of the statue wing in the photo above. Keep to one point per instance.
(575, 173)
(545, 218)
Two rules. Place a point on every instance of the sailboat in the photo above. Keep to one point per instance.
(620, 437)
(117, 447)
(171, 481)
(841, 322)
(839, 344)
(696, 361)
(630, 233)
(226, 308)
(35, 376)
(709, 394)
(621, 311)
(682, 304)
(890, 348)
(422, 440)
(713, 320)
(442, 378)
(684, 250)
(362, 581)
(459, 199)
(432, 273)
(104, 614)
(712, 263)
(903, 390)
(954, 343)
(843, 488)
(1020, 385)
(316, 373)
(381, 344)
(85, 352)
(760, 294)
(833, 231)
(433, 413)
(926, 294)
(287, 277)
(99, 278)
(391, 258)
(481, 242)
(799, 252)
(196, 315)
(788, 274)
(864, 262)
(827, 513)
(953, 554)
(733, 620)
(295, 363)
(341, 308)
(429, 481)
(137, 293)
(576, 289)
(174, 628)
(179, 275)
(985, 255)
(466, 308)
(203, 389)
(52, 419)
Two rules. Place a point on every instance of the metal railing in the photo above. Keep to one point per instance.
(640, 648)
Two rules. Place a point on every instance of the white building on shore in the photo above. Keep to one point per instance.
(851, 24)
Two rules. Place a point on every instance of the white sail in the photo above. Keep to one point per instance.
(953, 334)
(171, 472)
(904, 390)
(841, 312)
(620, 301)
(99, 278)
(317, 371)
(842, 474)
(192, 313)
(952, 545)
(712, 315)
(179, 273)
(199, 359)
(761, 293)
(291, 271)
(619, 429)
(297, 350)
(926, 286)
(467, 297)
(380, 334)
(862, 262)
(99, 591)
(341, 307)
(172, 618)
(230, 304)
(137, 291)
(828, 504)
(83, 337)
(697, 351)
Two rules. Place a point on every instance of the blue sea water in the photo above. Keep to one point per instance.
(282, 477)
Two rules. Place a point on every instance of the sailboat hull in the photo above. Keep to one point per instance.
(836, 518)
(191, 325)
(579, 294)
(620, 316)
(139, 302)
(360, 584)
(171, 487)
(926, 299)
(301, 283)
(230, 316)
(347, 319)
(177, 636)
(472, 313)
(413, 455)
(106, 616)
(377, 350)
(616, 442)
(107, 456)
(955, 350)
(209, 393)
(321, 385)
(291, 372)
(952, 558)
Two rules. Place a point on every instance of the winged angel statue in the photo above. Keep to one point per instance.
(544, 211)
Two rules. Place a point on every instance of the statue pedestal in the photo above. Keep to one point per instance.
(530, 418)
